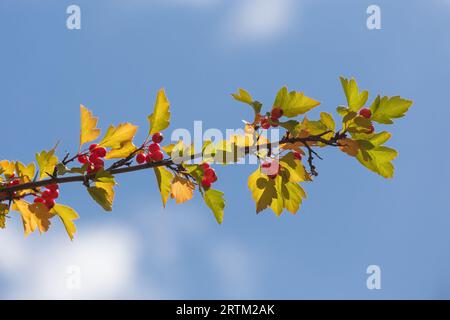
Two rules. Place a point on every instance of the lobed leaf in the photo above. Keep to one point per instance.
(160, 118)
(89, 131)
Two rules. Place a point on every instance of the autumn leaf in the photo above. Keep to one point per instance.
(263, 190)
(119, 137)
(182, 189)
(46, 161)
(26, 172)
(349, 146)
(8, 167)
(67, 216)
(356, 99)
(294, 103)
(245, 97)
(4, 209)
(89, 130)
(123, 151)
(164, 178)
(34, 216)
(215, 201)
(160, 118)
(387, 108)
(103, 196)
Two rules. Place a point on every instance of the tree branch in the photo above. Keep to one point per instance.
(114, 170)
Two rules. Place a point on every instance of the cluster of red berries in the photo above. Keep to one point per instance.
(154, 151)
(93, 158)
(209, 175)
(366, 113)
(297, 155)
(275, 115)
(48, 196)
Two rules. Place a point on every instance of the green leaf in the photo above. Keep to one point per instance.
(67, 216)
(378, 160)
(245, 97)
(294, 103)
(373, 155)
(215, 201)
(387, 108)
(46, 161)
(356, 99)
(160, 118)
(327, 120)
(102, 196)
(164, 178)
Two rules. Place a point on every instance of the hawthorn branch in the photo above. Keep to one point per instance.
(119, 168)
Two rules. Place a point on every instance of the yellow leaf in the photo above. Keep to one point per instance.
(164, 178)
(89, 131)
(34, 216)
(46, 161)
(4, 209)
(103, 194)
(215, 201)
(160, 118)
(118, 137)
(182, 189)
(124, 151)
(7, 167)
(67, 216)
(294, 103)
(26, 172)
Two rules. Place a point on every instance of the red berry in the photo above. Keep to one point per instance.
(157, 155)
(98, 163)
(82, 159)
(93, 157)
(206, 183)
(371, 129)
(266, 164)
(52, 187)
(54, 194)
(157, 137)
(14, 182)
(265, 124)
(366, 113)
(205, 165)
(276, 113)
(153, 147)
(92, 147)
(38, 200)
(50, 203)
(297, 155)
(47, 194)
(149, 158)
(141, 158)
(100, 152)
(209, 173)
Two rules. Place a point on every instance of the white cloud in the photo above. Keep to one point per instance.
(259, 20)
(103, 259)
(148, 256)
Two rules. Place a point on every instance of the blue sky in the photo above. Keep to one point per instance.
(201, 51)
